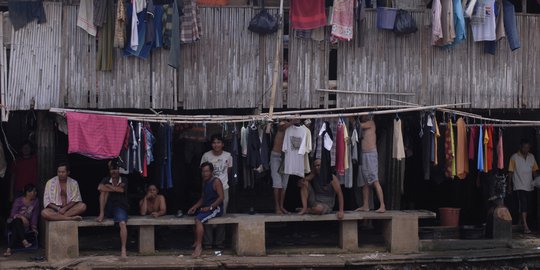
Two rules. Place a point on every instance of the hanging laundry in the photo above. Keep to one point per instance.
(244, 133)
(426, 146)
(485, 142)
(346, 140)
(347, 179)
(449, 151)
(134, 33)
(431, 125)
(437, 135)
(191, 27)
(143, 48)
(307, 14)
(483, 22)
(510, 25)
(436, 32)
(265, 151)
(480, 163)
(453, 148)
(490, 47)
(120, 25)
(326, 138)
(360, 22)
(101, 8)
(358, 128)
(294, 147)
(462, 162)
(342, 20)
(472, 142)
(150, 140)
(309, 149)
(85, 17)
(447, 23)
(95, 136)
(489, 151)
(171, 35)
(398, 150)
(235, 153)
(163, 156)
(500, 151)
(23, 12)
(140, 5)
(254, 146)
(340, 150)
(459, 24)
(106, 40)
(133, 154)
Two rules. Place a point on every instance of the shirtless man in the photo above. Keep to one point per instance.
(369, 171)
(62, 198)
(279, 181)
(153, 203)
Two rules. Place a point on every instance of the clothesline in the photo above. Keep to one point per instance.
(179, 119)
(501, 122)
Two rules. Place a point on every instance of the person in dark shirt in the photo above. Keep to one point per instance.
(210, 204)
(113, 201)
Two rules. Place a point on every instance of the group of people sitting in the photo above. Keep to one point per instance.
(62, 201)
(62, 198)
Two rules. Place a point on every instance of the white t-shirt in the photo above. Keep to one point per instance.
(221, 165)
(485, 29)
(523, 169)
(294, 147)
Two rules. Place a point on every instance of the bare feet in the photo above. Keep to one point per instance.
(7, 253)
(382, 209)
(26, 244)
(362, 209)
(100, 218)
(302, 211)
(284, 211)
(77, 218)
(123, 254)
(197, 252)
(279, 212)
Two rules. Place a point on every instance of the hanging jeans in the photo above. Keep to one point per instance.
(510, 25)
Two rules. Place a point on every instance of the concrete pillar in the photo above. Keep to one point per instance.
(146, 239)
(401, 234)
(348, 235)
(502, 224)
(61, 240)
(249, 237)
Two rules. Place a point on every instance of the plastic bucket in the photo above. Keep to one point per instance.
(449, 216)
(386, 17)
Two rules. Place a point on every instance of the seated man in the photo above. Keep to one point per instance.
(208, 206)
(153, 203)
(62, 197)
(318, 198)
(113, 201)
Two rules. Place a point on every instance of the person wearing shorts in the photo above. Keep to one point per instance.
(521, 170)
(279, 180)
(209, 206)
(368, 175)
(113, 202)
(319, 198)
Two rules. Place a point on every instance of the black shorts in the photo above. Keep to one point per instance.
(524, 200)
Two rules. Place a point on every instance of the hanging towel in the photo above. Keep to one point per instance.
(480, 163)
(307, 14)
(436, 32)
(343, 19)
(453, 144)
(460, 29)
(134, 41)
(100, 12)
(95, 136)
(500, 151)
(398, 149)
(462, 162)
(486, 141)
(448, 149)
(309, 148)
(85, 17)
(191, 27)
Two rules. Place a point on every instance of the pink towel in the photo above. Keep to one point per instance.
(96, 136)
(500, 152)
(343, 19)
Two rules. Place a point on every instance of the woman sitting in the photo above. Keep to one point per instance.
(23, 218)
(153, 203)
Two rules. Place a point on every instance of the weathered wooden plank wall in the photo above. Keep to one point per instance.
(385, 63)
(464, 73)
(35, 63)
(230, 66)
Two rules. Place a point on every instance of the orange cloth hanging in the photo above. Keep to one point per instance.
(462, 160)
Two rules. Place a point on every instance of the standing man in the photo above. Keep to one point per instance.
(62, 198)
(208, 206)
(521, 170)
(222, 164)
(369, 170)
(317, 198)
(113, 202)
(279, 180)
